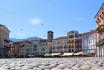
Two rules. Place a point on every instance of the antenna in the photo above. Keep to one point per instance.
(43, 30)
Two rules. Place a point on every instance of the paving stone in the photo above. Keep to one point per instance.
(85, 67)
(88, 63)
(56, 69)
(61, 66)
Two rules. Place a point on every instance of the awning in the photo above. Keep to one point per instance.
(30, 55)
(79, 53)
(92, 51)
(67, 54)
(47, 54)
(54, 54)
(84, 53)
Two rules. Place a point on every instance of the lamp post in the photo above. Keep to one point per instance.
(74, 42)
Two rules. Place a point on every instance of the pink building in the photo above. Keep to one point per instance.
(59, 45)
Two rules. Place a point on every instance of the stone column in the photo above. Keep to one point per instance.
(103, 51)
(99, 51)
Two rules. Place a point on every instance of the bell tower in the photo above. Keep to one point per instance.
(50, 36)
(49, 41)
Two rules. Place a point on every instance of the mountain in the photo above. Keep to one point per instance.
(33, 38)
(15, 40)
(29, 38)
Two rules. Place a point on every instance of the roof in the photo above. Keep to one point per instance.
(20, 42)
(50, 31)
(86, 33)
(4, 27)
(1, 25)
(63, 37)
(42, 41)
(71, 32)
(100, 9)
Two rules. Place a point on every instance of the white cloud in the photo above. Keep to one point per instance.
(35, 20)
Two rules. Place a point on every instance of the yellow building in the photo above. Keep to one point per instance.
(4, 41)
(74, 41)
(100, 31)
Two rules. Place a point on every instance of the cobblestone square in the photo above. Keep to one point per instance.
(86, 63)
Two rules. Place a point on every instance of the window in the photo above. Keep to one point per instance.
(60, 46)
(70, 36)
(71, 41)
(27, 50)
(103, 12)
(54, 47)
(65, 46)
(35, 49)
(43, 48)
(69, 50)
(35, 45)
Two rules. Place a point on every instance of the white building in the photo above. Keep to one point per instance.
(89, 41)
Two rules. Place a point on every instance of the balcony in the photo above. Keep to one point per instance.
(100, 42)
(100, 29)
(6, 40)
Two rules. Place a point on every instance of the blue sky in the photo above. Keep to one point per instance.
(29, 18)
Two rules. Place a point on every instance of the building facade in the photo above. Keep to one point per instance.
(17, 46)
(41, 47)
(59, 45)
(4, 41)
(30, 48)
(100, 31)
(74, 41)
(11, 50)
(16, 49)
(26, 50)
(89, 41)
